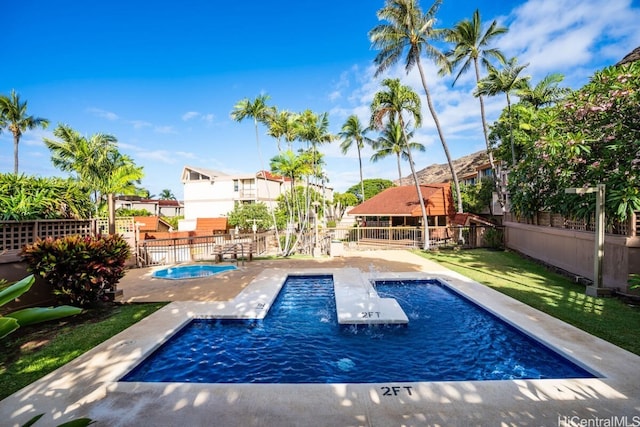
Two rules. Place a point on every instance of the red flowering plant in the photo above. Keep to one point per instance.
(81, 270)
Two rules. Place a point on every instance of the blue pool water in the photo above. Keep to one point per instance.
(191, 271)
(448, 338)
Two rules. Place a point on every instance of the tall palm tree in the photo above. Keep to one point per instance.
(97, 164)
(390, 105)
(546, 92)
(260, 112)
(391, 142)
(354, 134)
(471, 46)
(15, 118)
(408, 29)
(507, 81)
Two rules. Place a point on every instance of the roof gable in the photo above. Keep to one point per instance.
(403, 201)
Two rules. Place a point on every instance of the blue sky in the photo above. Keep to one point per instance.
(163, 76)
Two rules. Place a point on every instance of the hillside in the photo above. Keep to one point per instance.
(440, 172)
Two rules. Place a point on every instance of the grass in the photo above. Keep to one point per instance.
(32, 352)
(531, 283)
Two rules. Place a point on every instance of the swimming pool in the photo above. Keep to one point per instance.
(191, 271)
(448, 338)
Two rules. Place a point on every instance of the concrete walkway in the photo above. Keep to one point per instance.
(89, 386)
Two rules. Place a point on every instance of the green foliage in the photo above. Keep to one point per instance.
(78, 422)
(592, 137)
(476, 198)
(132, 212)
(371, 188)
(494, 238)
(244, 215)
(28, 316)
(24, 198)
(292, 206)
(634, 281)
(79, 269)
(173, 220)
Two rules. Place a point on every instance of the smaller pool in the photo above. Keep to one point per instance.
(191, 271)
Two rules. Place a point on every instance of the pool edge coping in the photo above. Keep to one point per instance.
(91, 382)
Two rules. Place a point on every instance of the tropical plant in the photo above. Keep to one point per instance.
(343, 200)
(408, 29)
(14, 117)
(246, 215)
(471, 47)
(97, 164)
(27, 198)
(167, 194)
(546, 92)
(28, 316)
(80, 270)
(372, 187)
(390, 105)
(260, 112)
(589, 138)
(354, 134)
(391, 142)
(507, 81)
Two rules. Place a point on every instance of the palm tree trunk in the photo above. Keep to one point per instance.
(360, 162)
(496, 178)
(425, 222)
(16, 141)
(441, 135)
(513, 148)
(266, 184)
(399, 170)
(111, 208)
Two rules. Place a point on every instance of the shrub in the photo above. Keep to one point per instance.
(79, 269)
(494, 238)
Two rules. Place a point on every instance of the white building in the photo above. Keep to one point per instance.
(211, 194)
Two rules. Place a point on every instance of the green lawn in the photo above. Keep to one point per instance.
(32, 352)
(533, 284)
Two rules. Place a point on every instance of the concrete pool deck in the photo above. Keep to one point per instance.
(89, 387)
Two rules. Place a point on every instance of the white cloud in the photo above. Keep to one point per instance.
(140, 124)
(103, 114)
(190, 115)
(164, 129)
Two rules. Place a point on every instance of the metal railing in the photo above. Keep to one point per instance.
(198, 248)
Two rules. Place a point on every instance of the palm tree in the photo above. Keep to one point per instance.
(353, 133)
(97, 164)
(15, 118)
(410, 30)
(283, 125)
(391, 142)
(507, 81)
(391, 105)
(261, 113)
(546, 92)
(167, 194)
(471, 46)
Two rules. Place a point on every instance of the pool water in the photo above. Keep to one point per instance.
(191, 271)
(448, 338)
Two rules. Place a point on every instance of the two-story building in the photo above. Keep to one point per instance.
(211, 193)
